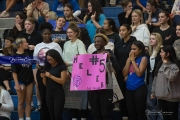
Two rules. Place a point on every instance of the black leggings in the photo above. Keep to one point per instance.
(169, 109)
(136, 103)
(4, 118)
(55, 102)
(44, 113)
(101, 104)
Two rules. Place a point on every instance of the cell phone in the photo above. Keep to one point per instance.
(42, 69)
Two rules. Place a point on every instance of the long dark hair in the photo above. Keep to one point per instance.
(128, 27)
(141, 46)
(166, 13)
(15, 31)
(96, 7)
(84, 37)
(56, 56)
(172, 57)
(5, 50)
(112, 23)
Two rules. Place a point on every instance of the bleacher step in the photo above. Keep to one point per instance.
(34, 115)
(7, 22)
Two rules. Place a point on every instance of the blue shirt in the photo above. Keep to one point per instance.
(143, 2)
(133, 82)
(91, 28)
(58, 7)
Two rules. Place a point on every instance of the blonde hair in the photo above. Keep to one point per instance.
(73, 26)
(19, 41)
(31, 20)
(103, 36)
(139, 13)
(159, 43)
(52, 15)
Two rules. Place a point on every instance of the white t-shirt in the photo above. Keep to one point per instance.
(152, 61)
(41, 49)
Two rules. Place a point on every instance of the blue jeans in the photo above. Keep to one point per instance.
(151, 105)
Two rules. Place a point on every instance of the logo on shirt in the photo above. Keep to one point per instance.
(131, 69)
(60, 8)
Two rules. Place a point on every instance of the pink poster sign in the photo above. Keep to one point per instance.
(89, 72)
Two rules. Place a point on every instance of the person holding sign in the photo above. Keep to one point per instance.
(101, 100)
(136, 89)
(72, 48)
(53, 79)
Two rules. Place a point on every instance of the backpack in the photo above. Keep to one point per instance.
(7, 33)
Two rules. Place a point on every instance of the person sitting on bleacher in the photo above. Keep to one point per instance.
(94, 18)
(8, 50)
(51, 17)
(18, 25)
(6, 104)
(68, 13)
(9, 5)
(125, 17)
(59, 6)
(152, 15)
(37, 10)
(139, 29)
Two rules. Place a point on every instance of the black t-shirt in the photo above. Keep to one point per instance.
(59, 35)
(169, 33)
(32, 39)
(72, 20)
(123, 20)
(51, 85)
(24, 71)
(114, 38)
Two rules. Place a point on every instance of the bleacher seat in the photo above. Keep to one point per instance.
(112, 11)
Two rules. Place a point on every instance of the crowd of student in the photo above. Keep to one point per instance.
(144, 53)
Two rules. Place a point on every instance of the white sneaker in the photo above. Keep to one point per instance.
(7, 15)
(3, 14)
(124, 118)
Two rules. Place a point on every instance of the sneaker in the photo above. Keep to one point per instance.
(7, 15)
(3, 14)
(39, 108)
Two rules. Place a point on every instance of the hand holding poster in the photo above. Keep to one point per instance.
(89, 72)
